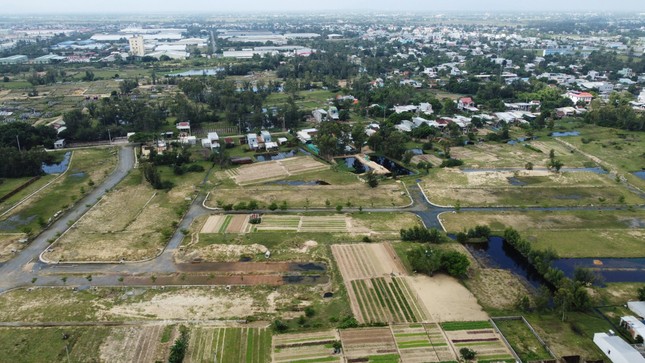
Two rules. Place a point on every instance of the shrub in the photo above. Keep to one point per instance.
(451, 163)
(195, 168)
(178, 350)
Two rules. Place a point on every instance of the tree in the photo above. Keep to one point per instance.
(127, 85)
(64, 280)
(641, 293)
(528, 166)
(467, 353)
(455, 263)
(372, 179)
(178, 349)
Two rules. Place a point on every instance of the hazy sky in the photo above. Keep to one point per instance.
(125, 6)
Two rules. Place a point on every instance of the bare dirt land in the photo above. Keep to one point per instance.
(220, 252)
(445, 299)
(10, 245)
(366, 260)
(311, 196)
(276, 169)
(313, 346)
(135, 344)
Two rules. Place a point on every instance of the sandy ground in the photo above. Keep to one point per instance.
(446, 299)
(9, 245)
(220, 252)
(192, 305)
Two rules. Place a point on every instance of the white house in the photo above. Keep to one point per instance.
(637, 307)
(616, 349)
(466, 104)
(634, 326)
(405, 126)
(333, 113)
(320, 115)
(59, 144)
(266, 136)
(252, 141)
(183, 127)
(575, 96)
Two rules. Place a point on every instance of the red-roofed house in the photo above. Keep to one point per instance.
(579, 96)
(465, 103)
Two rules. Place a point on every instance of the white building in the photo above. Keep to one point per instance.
(320, 115)
(637, 307)
(616, 349)
(266, 136)
(574, 96)
(137, 47)
(634, 326)
(252, 141)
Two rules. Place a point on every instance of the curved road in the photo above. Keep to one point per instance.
(26, 266)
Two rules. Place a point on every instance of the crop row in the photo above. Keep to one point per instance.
(466, 325)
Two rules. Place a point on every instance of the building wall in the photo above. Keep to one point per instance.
(137, 47)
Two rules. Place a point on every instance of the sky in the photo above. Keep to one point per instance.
(204, 6)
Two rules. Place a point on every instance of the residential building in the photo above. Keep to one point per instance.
(14, 59)
(466, 104)
(49, 58)
(320, 115)
(137, 47)
(634, 326)
(333, 113)
(616, 349)
(252, 141)
(576, 97)
(266, 136)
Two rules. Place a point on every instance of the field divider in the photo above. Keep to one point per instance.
(508, 345)
(138, 213)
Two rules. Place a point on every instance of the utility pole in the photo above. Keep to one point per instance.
(109, 136)
(18, 140)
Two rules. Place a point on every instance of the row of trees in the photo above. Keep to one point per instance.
(16, 164)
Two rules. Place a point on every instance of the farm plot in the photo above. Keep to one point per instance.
(416, 346)
(250, 345)
(480, 337)
(439, 342)
(273, 170)
(308, 347)
(238, 223)
(384, 299)
(134, 344)
(366, 260)
(304, 223)
(368, 343)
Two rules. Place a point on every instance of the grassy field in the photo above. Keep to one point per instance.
(524, 343)
(308, 100)
(86, 165)
(570, 234)
(142, 218)
(616, 148)
(47, 344)
(531, 188)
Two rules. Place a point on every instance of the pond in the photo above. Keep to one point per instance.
(640, 174)
(59, 167)
(275, 156)
(197, 72)
(389, 164)
(610, 269)
(565, 133)
(496, 253)
(499, 254)
(353, 164)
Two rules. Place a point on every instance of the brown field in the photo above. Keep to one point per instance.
(496, 288)
(236, 223)
(239, 224)
(276, 169)
(358, 343)
(316, 196)
(445, 299)
(366, 260)
(213, 224)
(135, 344)
(310, 346)
(9, 245)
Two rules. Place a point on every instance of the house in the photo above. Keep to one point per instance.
(213, 136)
(188, 140)
(59, 144)
(333, 113)
(320, 115)
(252, 141)
(305, 135)
(405, 108)
(282, 140)
(576, 96)
(616, 349)
(183, 127)
(405, 126)
(637, 307)
(466, 104)
(229, 142)
(634, 326)
(266, 136)
(425, 107)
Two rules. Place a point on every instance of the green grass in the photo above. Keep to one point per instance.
(466, 325)
(69, 189)
(316, 360)
(46, 344)
(522, 340)
(386, 358)
(167, 333)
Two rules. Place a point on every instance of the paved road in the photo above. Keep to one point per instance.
(26, 265)
(17, 271)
